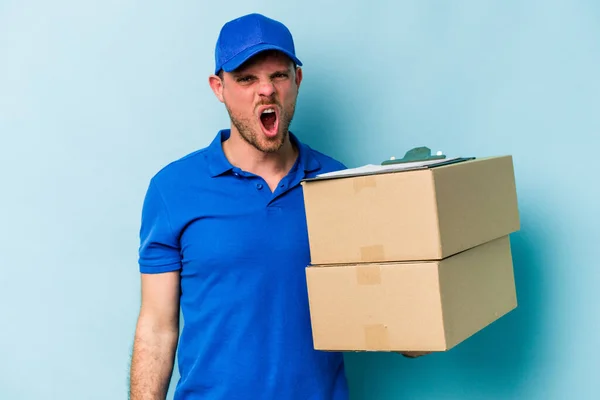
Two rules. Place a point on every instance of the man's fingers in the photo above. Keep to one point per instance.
(414, 354)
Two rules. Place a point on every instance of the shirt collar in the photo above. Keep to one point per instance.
(218, 163)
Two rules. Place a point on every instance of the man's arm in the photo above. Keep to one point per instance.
(156, 336)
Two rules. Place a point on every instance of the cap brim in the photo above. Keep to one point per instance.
(250, 52)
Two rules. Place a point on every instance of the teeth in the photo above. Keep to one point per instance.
(268, 111)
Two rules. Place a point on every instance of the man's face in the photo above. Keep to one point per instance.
(260, 98)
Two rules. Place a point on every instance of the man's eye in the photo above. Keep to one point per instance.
(281, 75)
(244, 79)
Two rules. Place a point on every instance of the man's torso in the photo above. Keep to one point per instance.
(243, 251)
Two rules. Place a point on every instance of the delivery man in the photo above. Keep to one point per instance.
(224, 239)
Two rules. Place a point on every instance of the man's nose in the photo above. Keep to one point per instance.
(266, 88)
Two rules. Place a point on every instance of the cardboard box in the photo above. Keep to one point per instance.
(404, 306)
(423, 214)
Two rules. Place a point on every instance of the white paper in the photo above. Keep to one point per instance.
(376, 169)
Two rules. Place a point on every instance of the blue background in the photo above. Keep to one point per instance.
(95, 96)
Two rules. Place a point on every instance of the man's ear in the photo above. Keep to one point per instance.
(216, 84)
(298, 76)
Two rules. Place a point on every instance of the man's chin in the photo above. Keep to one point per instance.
(271, 146)
(260, 141)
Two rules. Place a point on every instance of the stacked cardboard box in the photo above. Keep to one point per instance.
(413, 259)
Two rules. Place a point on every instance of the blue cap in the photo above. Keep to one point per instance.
(249, 35)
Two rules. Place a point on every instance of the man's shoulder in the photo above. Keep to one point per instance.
(191, 163)
(327, 162)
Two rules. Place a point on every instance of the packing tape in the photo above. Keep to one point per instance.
(372, 253)
(376, 337)
(368, 275)
(361, 182)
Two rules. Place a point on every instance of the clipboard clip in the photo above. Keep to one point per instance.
(415, 155)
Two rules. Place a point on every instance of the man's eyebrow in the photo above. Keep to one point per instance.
(240, 73)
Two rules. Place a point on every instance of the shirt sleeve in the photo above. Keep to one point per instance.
(159, 249)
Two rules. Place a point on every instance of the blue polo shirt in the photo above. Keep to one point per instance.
(241, 251)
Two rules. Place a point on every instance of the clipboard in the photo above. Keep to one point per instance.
(414, 159)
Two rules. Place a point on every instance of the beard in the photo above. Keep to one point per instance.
(250, 130)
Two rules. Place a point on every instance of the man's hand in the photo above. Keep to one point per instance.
(415, 354)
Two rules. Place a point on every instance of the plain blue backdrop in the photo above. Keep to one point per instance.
(96, 96)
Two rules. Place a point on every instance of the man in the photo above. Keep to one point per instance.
(224, 237)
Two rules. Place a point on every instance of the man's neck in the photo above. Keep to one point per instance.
(271, 166)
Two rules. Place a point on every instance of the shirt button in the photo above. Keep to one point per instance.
(259, 186)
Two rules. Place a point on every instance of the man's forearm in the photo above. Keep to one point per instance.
(152, 362)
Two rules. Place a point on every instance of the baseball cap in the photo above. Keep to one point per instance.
(246, 36)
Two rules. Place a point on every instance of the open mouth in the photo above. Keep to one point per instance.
(268, 120)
